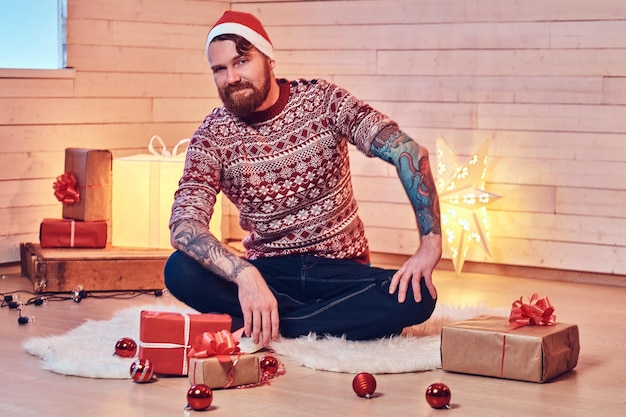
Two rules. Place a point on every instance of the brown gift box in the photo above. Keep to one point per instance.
(491, 346)
(224, 371)
(165, 338)
(65, 233)
(92, 170)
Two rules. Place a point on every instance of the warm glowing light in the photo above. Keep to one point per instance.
(463, 201)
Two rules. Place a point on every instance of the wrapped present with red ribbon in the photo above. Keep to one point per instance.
(85, 186)
(216, 361)
(528, 346)
(65, 233)
(167, 338)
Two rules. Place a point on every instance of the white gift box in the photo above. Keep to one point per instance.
(143, 188)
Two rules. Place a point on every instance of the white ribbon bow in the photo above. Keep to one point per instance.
(163, 149)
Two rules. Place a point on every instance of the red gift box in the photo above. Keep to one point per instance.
(165, 338)
(65, 233)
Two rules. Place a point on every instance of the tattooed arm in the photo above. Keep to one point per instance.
(258, 304)
(411, 161)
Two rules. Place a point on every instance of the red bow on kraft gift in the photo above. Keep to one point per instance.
(66, 189)
(212, 344)
(538, 311)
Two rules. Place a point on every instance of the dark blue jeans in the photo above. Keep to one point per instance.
(325, 296)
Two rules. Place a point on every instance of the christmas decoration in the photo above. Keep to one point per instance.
(438, 395)
(463, 201)
(537, 311)
(268, 366)
(66, 189)
(199, 397)
(164, 334)
(126, 347)
(142, 370)
(364, 385)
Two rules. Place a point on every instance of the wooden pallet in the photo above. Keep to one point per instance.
(109, 269)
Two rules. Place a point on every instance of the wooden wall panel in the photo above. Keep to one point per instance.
(137, 69)
(20, 111)
(543, 82)
(415, 37)
(125, 84)
(351, 12)
(190, 12)
(136, 59)
(540, 62)
(43, 87)
(120, 137)
(486, 89)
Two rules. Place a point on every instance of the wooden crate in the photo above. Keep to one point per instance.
(109, 269)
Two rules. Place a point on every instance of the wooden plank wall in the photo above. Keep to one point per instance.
(138, 69)
(543, 81)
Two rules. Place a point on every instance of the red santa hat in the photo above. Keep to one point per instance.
(245, 25)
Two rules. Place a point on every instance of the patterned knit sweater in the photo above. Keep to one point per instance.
(287, 171)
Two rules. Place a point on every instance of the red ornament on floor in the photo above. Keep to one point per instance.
(199, 397)
(438, 395)
(142, 370)
(364, 385)
(126, 347)
(268, 365)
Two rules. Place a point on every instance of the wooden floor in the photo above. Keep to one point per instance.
(597, 387)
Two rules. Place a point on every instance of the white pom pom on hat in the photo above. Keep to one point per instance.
(245, 25)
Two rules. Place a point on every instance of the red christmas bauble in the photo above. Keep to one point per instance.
(438, 395)
(268, 365)
(364, 385)
(126, 347)
(142, 370)
(199, 397)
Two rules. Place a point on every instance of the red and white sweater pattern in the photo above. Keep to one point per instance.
(286, 170)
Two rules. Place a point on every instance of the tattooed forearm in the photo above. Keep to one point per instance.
(196, 241)
(413, 168)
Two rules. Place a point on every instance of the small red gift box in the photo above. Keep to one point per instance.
(65, 233)
(165, 338)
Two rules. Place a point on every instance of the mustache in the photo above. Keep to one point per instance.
(238, 87)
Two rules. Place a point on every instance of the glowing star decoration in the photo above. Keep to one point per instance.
(463, 201)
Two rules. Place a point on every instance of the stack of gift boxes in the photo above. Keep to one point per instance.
(130, 197)
(199, 346)
(85, 192)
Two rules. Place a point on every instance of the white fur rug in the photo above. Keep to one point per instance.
(87, 350)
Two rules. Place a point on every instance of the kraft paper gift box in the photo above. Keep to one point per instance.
(165, 338)
(92, 170)
(224, 371)
(143, 193)
(66, 233)
(492, 346)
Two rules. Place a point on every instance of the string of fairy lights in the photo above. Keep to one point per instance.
(20, 299)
